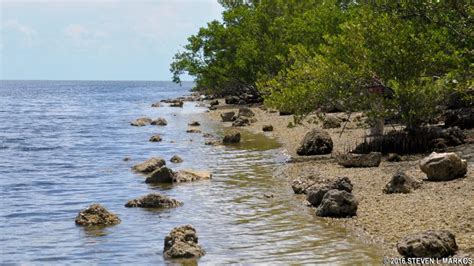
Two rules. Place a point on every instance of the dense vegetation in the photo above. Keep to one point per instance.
(304, 55)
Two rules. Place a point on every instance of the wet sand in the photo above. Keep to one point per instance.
(381, 218)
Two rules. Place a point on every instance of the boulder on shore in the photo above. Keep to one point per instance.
(227, 116)
(232, 100)
(149, 165)
(182, 243)
(157, 104)
(267, 128)
(401, 183)
(161, 175)
(140, 122)
(241, 122)
(176, 159)
(443, 166)
(428, 244)
(154, 200)
(96, 215)
(315, 142)
(337, 203)
(331, 121)
(231, 136)
(159, 122)
(155, 138)
(246, 112)
(214, 102)
(393, 157)
(372, 159)
(316, 194)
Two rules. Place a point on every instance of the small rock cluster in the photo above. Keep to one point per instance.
(96, 215)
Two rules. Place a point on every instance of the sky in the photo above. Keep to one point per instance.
(97, 40)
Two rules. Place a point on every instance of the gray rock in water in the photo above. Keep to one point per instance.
(401, 183)
(331, 121)
(96, 215)
(443, 166)
(161, 175)
(267, 128)
(149, 165)
(176, 159)
(372, 159)
(154, 200)
(177, 103)
(159, 122)
(189, 175)
(337, 203)
(227, 116)
(231, 136)
(246, 112)
(157, 104)
(140, 122)
(194, 124)
(316, 194)
(182, 243)
(315, 142)
(155, 138)
(193, 130)
(429, 244)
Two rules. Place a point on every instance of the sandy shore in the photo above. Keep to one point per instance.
(381, 218)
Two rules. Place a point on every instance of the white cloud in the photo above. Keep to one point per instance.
(27, 32)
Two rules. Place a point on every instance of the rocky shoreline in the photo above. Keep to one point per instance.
(382, 218)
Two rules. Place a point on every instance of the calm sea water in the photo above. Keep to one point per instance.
(62, 145)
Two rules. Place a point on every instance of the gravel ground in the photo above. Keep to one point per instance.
(381, 218)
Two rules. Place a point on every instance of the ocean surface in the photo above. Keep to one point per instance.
(62, 145)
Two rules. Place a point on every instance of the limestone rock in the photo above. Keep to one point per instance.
(140, 122)
(96, 215)
(155, 138)
(161, 175)
(443, 166)
(182, 243)
(401, 183)
(193, 130)
(331, 121)
(241, 122)
(315, 142)
(227, 116)
(194, 124)
(176, 159)
(246, 112)
(159, 122)
(189, 175)
(428, 244)
(149, 165)
(337, 203)
(154, 200)
(267, 128)
(372, 159)
(231, 136)
(316, 194)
